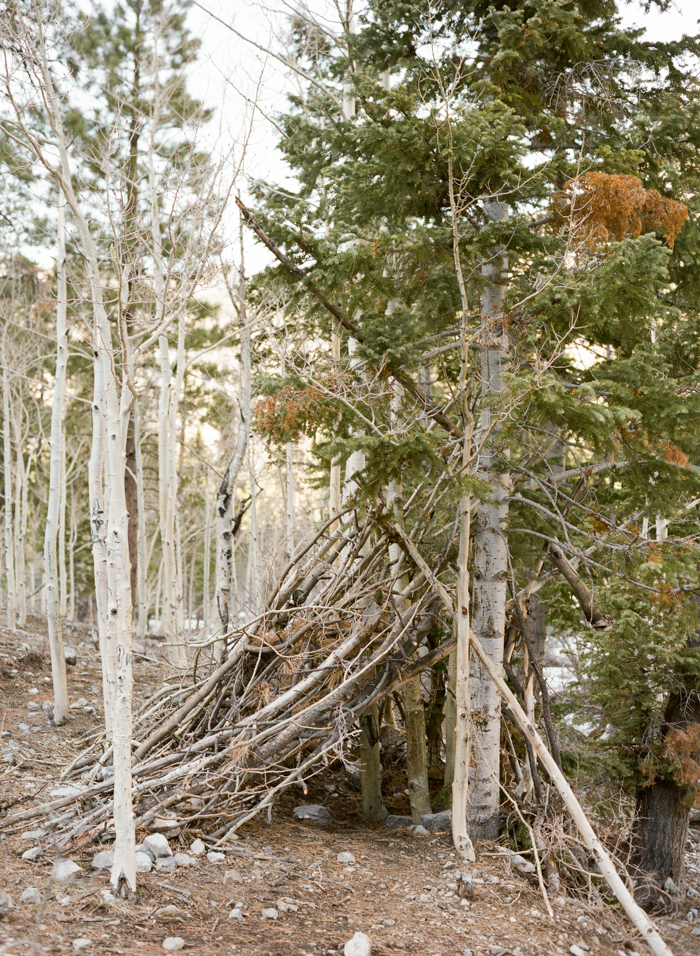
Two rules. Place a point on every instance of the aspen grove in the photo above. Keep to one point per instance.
(399, 445)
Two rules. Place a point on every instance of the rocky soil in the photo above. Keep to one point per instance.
(290, 886)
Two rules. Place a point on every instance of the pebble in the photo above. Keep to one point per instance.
(215, 857)
(143, 863)
(108, 896)
(30, 895)
(80, 944)
(6, 904)
(103, 860)
(359, 945)
(346, 857)
(166, 864)
(32, 691)
(521, 864)
(65, 871)
(33, 853)
(235, 914)
(390, 922)
(33, 706)
(424, 898)
(24, 728)
(184, 859)
(232, 876)
(312, 813)
(71, 656)
(89, 710)
(576, 950)
(142, 848)
(496, 950)
(696, 931)
(172, 944)
(270, 913)
(396, 822)
(420, 830)
(47, 706)
(287, 906)
(197, 848)
(158, 845)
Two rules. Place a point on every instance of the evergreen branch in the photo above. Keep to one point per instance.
(430, 410)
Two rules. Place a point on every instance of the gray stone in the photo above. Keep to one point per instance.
(396, 822)
(33, 835)
(47, 706)
(108, 896)
(158, 845)
(143, 863)
(215, 857)
(142, 848)
(197, 847)
(235, 914)
(33, 705)
(103, 860)
(287, 906)
(437, 822)
(359, 945)
(32, 854)
(67, 790)
(577, 950)
(6, 904)
(65, 871)
(24, 728)
(695, 932)
(312, 813)
(270, 913)
(173, 944)
(82, 943)
(30, 895)
(521, 864)
(89, 710)
(184, 859)
(420, 830)
(346, 857)
(233, 876)
(166, 864)
(496, 950)
(71, 656)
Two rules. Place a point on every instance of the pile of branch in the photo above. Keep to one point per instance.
(284, 702)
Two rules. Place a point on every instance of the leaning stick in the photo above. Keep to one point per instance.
(636, 914)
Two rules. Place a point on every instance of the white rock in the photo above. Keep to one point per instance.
(346, 857)
(359, 945)
(173, 944)
(270, 913)
(65, 871)
(33, 706)
(103, 860)
(158, 845)
(233, 876)
(197, 848)
(235, 914)
(66, 791)
(166, 864)
(576, 950)
(108, 896)
(32, 691)
(184, 859)
(33, 835)
(163, 823)
(64, 901)
(287, 906)
(420, 830)
(47, 706)
(80, 944)
(6, 904)
(520, 863)
(214, 857)
(71, 656)
(33, 853)
(30, 895)
(143, 863)
(141, 848)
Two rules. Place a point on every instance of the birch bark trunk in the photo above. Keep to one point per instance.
(7, 465)
(55, 628)
(490, 552)
(142, 557)
(20, 522)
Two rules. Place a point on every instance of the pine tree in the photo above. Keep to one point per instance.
(543, 136)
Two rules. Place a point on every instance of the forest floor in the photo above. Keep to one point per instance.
(400, 892)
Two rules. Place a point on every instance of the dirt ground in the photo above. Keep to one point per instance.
(401, 891)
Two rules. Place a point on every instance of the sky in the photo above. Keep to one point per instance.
(231, 72)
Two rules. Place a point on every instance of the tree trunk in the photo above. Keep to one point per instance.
(132, 506)
(663, 809)
(416, 751)
(490, 555)
(7, 465)
(450, 721)
(21, 524)
(55, 628)
(370, 766)
(142, 558)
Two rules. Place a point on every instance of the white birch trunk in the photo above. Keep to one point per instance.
(334, 497)
(62, 571)
(142, 565)
(206, 558)
(20, 522)
(7, 465)
(55, 628)
(490, 557)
